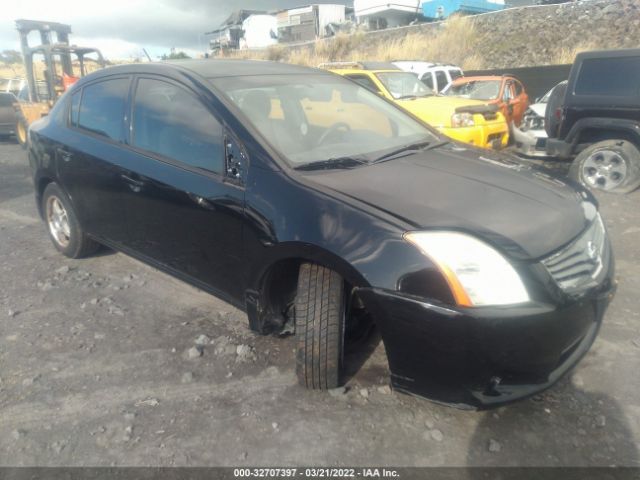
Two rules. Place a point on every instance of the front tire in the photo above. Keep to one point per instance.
(320, 316)
(612, 166)
(64, 229)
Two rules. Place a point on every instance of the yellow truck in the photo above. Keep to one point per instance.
(461, 119)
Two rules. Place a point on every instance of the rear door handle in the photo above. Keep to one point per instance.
(64, 154)
(203, 202)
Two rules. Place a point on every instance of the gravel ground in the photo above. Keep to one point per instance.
(105, 361)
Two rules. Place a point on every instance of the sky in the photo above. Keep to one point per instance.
(122, 28)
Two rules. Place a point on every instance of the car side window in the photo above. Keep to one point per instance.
(75, 106)
(518, 88)
(441, 79)
(455, 73)
(365, 81)
(427, 79)
(507, 94)
(102, 108)
(7, 99)
(168, 120)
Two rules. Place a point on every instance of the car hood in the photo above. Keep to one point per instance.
(436, 110)
(523, 210)
(539, 109)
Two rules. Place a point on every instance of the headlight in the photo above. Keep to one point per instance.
(462, 120)
(476, 273)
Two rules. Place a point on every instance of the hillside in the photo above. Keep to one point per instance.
(519, 37)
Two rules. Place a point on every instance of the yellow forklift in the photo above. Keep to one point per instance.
(51, 68)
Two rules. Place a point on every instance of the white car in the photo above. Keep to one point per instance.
(436, 76)
(530, 138)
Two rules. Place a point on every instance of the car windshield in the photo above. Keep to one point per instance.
(475, 89)
(404, 85)
(545, 99)
(313, 118)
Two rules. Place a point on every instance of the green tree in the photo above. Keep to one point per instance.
(175, 56)
(10, 57)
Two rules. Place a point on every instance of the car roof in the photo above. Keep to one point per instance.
(479, 78)
(213, 68)
(360, 71)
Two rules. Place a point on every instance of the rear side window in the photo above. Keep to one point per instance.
(6, 99)
(102, 108)
(455, 73)
(427, 79)
(442, 79)
(169, 121)
(609, 77)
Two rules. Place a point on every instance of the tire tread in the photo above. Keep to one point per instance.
(319, 317)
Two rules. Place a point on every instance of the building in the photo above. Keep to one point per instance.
(308, 23)
(259, 31)
(377, 14)
(441, 9)
(230, 32)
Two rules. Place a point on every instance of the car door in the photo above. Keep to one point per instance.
(520, 101)
(89, 156)
(506, 105)
(184, 201)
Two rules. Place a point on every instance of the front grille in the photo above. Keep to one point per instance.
(579, 265)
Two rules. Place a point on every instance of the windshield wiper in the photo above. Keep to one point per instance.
(337, 162)
(413, 147)
(407, 148)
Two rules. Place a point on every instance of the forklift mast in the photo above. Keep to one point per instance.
(62, 31)
(50, 47)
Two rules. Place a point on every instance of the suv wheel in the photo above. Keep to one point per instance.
(64, 229)
(319, 313)
(612, 166)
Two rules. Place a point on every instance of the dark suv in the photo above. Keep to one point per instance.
(595, 117)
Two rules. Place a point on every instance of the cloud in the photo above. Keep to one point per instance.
(122, 27)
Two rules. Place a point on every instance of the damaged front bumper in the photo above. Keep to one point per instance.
(489, 135)
(531, 143)
(484, 357)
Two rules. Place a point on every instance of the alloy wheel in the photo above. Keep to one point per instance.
(58, 221)
(604, 169)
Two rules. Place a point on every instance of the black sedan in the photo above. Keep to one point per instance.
(315, 206)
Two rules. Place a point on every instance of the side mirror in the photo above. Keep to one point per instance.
(235, 159)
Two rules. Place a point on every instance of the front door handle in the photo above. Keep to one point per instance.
(135, 185)
(64, 154)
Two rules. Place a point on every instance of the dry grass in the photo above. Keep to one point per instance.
(568, 54)
(449, 42)
(11, 71)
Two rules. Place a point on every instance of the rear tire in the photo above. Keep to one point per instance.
(319, 314)
(62, 224)
(612, 166)
(22, 129)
